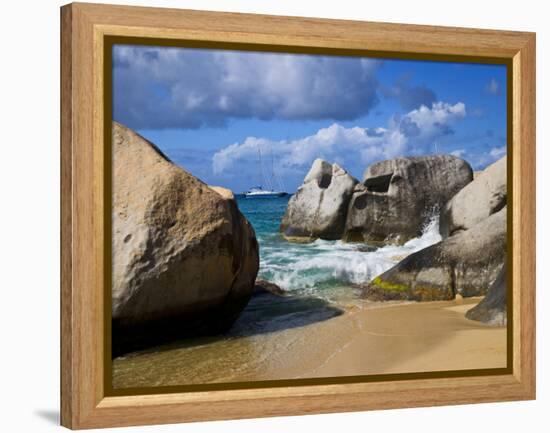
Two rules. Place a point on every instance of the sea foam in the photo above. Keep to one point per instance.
(322, 264)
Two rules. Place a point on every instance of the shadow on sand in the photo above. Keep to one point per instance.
(265, 313)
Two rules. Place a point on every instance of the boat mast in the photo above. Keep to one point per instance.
(273, 182)
(261, 173)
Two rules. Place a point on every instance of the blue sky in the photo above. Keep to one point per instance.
(211, 111)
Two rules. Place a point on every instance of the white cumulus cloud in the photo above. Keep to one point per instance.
(459, 153)
(353, 147)
(497, 152)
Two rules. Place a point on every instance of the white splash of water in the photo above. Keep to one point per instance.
(331, 263)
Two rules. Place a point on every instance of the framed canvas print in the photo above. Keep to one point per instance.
(269, 216)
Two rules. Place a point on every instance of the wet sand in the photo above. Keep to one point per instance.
(368, 338)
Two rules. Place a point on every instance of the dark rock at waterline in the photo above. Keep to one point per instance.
(367, 248)
(492, 308)
(319, 207)
(263, 287)
(184, 257)
(482, 197)
(466, 263)
(398, 196)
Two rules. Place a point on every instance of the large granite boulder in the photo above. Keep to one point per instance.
(492, 309)
(319, 207)
(397, 197)
(484, 196)
(184, 258)
(466, 263)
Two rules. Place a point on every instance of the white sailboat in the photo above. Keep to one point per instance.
(270, 191)
(259, 192)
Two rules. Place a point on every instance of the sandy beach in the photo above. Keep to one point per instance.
(368, 338)
(415, 338)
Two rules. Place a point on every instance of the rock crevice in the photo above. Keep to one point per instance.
(397, 197)
(319, 208)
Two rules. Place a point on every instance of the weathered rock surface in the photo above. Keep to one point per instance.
(492, 309)
(319, 207)
(184, 258)
(224, 192)
(397, 197)
(484, 196)
(466, 263)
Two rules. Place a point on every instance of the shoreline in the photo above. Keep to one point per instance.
(369, 338)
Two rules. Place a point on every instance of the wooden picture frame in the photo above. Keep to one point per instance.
(86, 398)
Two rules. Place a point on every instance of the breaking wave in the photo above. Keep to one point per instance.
(323, 269)
(328, 263)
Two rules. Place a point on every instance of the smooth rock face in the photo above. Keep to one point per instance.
(492, 309)
(224, 192)
(319, 207)
(466, 263)
(398, 197)
(184, 258)
(484, 196)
